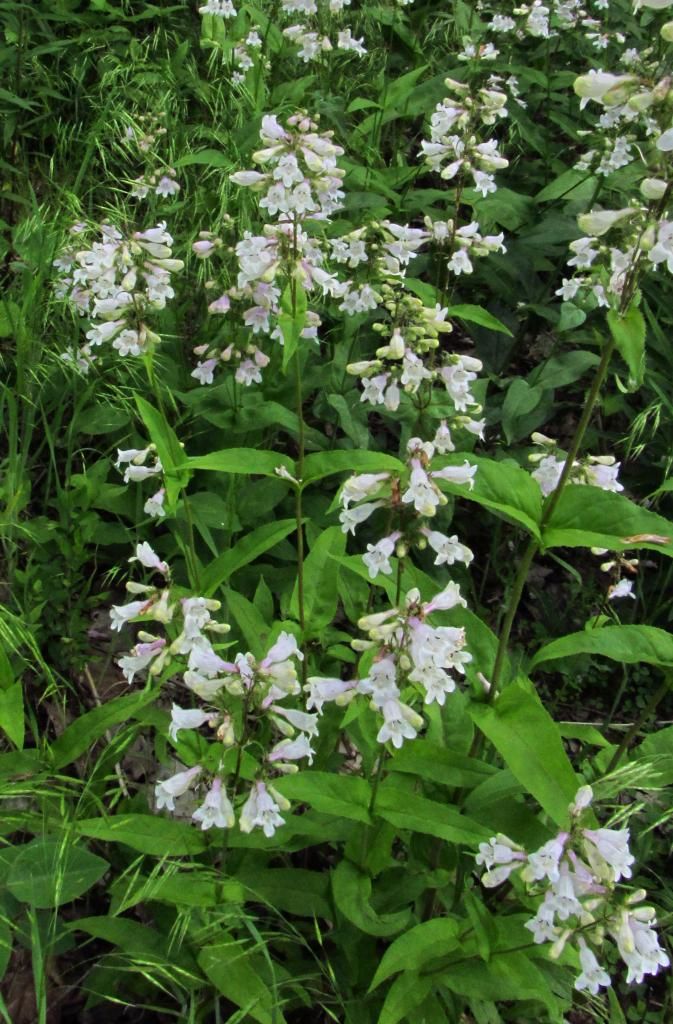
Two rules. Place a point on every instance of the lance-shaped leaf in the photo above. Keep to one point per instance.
(588, 517)
(627, 644)
(502, 487)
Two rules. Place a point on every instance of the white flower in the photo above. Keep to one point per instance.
(624, 588)
(613, 847)
(593, 976)
(442, 440)
(297, 719)
(350, 518)
(448, 549)
(121, 614)
(167, 187)
(154, 506)
(260, 811)
(321, 690)
(378, 555)
(149, 558)
(421, 491)
(292, 750)
(400, 723)
(216, 809)
(166, 791)
(185, 718)
(361, 486)
(548, 473)
(457, 474)
(544, 863)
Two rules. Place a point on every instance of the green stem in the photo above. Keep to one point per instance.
(651, 705)
(534, 545)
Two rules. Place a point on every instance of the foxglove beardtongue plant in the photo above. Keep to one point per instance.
(407, 660)
(158, 178)
(243, 703)
(576, 876)
(594, 470)
(408, 500)
(118, 284)
(142, 464)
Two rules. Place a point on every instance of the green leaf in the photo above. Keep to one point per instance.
(85, 730)
(322, 464)
(562, 186)
(169, 449)
(246, 461)
(254, 629)
(146, 833)
(478, 315)
(507, 976)
(437, 764)
(503, 487)
(628, 644)
(521, 409)
(46, 873)
(589, 517)
(10, 318)
(208, 157)
(346, 796)
(295, 890)
(629, 332)
(292, 320)
(529, 741)
(352, 891)
(429, 817)
(419, 945)
(320, 580)
(239, 973)
(404, 995)
(563, 369)
(11, 714)
(246, 550)
(135, 939)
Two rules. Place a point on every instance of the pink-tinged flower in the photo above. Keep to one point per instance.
(167, 790)
(216, 809)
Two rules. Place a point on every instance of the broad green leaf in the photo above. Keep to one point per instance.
(435, 763)
(246, 461)
(321, 571)
(239, 974)
(244, 551)
(507, 976)
(292, 319)
(589, 517)
(169, 449)
(136, 939)
(147, 833)
(562, 186)
(85, 730)
(478, 315)
(528, 740)
(503, 487)
(346, 796)
(422, 943)
(563, 369)
(47, 873)
(627, 644)
(521, 409)
(404, 996)
(254, 629)
(11, 714)
(629, 332)
(295, 890)
(322, 464)
(352, 890)
(207, 157)
(418, 814)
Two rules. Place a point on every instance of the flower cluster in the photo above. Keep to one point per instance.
(143, 464)
(118, 283)
(455, 128)
(308, 35)
(159, 178)
(409, 500)
(594, 470)
(408, 658)
(576, 874)
(243, 700)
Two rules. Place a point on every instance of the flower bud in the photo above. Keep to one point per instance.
(599, 222)
(653, 188)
